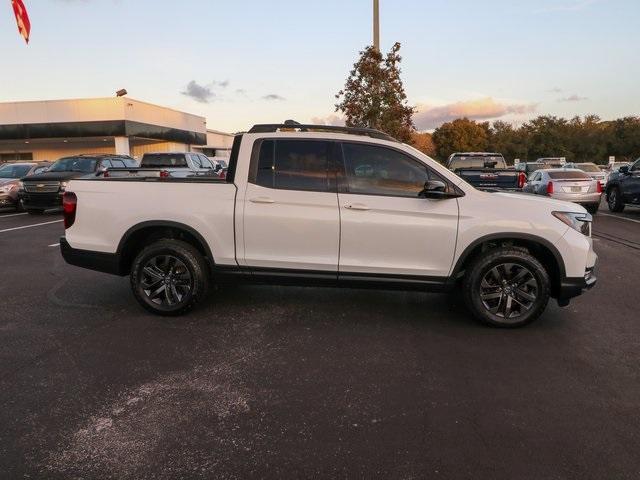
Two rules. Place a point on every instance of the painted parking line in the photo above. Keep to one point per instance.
(30, 226)
(619, 218)
(54, 245)
(13, 215)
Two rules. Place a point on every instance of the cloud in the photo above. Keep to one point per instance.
(428, 117)
(273, 97)
(200, 93)
(573, 98)
(223, 84)
(333, 119)
(555, 90)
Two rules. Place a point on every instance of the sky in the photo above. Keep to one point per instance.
(244, 62)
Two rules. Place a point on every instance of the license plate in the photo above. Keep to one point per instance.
(576, 189)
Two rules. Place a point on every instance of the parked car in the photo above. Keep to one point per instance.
(623, 187)
(571, 185)
(330, 206)
(10, 175)
(486, 171)
(542, 163)
(44, 191)
(590, 169)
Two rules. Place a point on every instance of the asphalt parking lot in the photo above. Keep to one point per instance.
(285, 382)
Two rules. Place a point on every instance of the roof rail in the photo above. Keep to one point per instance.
(293, 125)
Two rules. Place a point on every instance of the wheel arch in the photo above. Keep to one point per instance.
(542, 249)
(141, 234)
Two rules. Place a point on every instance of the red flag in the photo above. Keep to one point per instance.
(22, 18)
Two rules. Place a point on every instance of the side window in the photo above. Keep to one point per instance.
(197, 163)
(206, 163)
(294, 165)
(374, 170)
(106, 164)
(117, 163)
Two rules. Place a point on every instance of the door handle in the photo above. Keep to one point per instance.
(356, 206)
(262, 200)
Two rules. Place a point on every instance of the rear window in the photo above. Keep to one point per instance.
(569, 175)
(587, 167)
(476, 162)
(168, 160)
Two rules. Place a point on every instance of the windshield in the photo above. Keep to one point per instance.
(75, 164)
(476, 162)
(569, 175)
(14, 171)
(222, 163)
(587, 167)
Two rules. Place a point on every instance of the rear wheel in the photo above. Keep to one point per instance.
(593, 209)
(506, 287)
(169, 277)
(614, 200)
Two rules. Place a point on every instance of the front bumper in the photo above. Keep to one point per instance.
(572, 287)
(41, 201)
(6, 200)
(98, 261)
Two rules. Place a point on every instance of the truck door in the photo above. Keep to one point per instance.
(291, 217)
(386, 228)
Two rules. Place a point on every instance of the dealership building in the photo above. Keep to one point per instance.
(48, 130)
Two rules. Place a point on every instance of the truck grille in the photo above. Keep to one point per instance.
(41, 187)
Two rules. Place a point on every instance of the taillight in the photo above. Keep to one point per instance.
(69, 206)
(549, 188)
(105, 174)
(522, 179)
(599, 187)
(164, 174)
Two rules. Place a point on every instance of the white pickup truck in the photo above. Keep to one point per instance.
(331, 206)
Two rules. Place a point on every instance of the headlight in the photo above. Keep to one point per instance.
(20, 185)
(63, 185)
(580, 222)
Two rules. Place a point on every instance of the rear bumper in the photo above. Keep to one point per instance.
(98, 261)
(581, 198)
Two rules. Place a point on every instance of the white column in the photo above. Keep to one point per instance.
(122, 145)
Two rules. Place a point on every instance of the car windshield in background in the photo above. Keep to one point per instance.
(14, 171)
(222, 163)
(75, 164)
(587, 167)
(569, 175)
(476, 162)
(164, 160)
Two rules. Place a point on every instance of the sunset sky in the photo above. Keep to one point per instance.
(244, 62)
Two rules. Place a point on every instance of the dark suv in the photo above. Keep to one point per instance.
(44, 191)
(623, 187)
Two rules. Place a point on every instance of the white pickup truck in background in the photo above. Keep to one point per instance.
(331, 206)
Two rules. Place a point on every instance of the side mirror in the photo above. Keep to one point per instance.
(436, 189)
(624, 169)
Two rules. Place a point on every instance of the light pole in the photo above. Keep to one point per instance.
(376, 24)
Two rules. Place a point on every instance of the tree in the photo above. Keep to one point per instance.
(374, 96)
(461, 135)
(423, 141)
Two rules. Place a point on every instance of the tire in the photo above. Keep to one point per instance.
(614, 200)
(169, 277)
(593, 209)
(488, 287)
(32, 211)
(19, 206)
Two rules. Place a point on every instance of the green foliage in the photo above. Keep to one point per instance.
(374, 96)
(580, 139)
(461, 135)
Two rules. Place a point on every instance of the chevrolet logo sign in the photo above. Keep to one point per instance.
(40, 185)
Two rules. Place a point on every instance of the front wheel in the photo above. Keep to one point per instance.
(506, 287)
(593, 209)
(169, 277)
